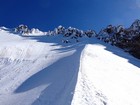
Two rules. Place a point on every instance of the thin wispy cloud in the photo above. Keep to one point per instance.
(134, 4)
(137, 3)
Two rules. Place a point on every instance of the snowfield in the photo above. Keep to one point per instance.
(41, 70)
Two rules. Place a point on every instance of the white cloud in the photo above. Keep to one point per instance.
(137, 3)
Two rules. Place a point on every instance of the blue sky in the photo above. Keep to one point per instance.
(83, 14)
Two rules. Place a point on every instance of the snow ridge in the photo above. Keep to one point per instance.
(41, 70)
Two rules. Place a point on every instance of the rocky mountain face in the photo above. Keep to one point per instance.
(125, 38)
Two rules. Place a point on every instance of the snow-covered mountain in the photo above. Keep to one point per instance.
(42, 70)
(135, 25)
(126, 38)
(25, 31)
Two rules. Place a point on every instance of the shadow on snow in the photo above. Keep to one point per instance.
(115, 50)
(119, 52)
(60, 78)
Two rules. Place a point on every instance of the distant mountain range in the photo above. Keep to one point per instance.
(125, 38)
(68, 66)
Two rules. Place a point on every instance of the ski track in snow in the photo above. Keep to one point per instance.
(38, 71)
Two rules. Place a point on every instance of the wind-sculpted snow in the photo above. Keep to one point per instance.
(126, 38)
(41, 70)
(45, 73)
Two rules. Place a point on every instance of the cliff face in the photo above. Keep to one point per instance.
(125, 38)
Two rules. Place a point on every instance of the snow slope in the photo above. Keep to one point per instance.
(107, 79)
(41, 70)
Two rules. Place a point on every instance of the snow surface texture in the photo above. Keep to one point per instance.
(42, 70)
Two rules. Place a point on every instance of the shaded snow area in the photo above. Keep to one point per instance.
(41, 70)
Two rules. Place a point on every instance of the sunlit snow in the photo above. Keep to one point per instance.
(41, 70)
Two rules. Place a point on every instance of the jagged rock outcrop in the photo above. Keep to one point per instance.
(22, 29)
(125, 38)
(71, 33)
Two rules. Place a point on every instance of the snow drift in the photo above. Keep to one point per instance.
(41, 70)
